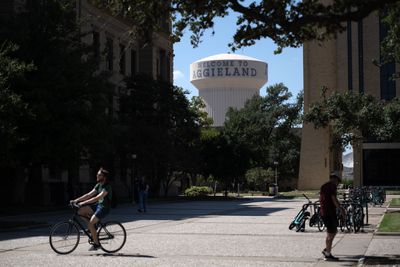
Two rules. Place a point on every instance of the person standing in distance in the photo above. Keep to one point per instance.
(143, 192)
(96, 204)
(329, 206)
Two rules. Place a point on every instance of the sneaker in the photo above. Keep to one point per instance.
(94, 247)
(139, 210)
(328, 256)
(324, 252)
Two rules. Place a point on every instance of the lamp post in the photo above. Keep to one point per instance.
(276, 176)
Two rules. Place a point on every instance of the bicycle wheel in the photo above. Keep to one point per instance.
(64, 237)
(320, 223)
(358, 220)
(112, 236)
(301, 226)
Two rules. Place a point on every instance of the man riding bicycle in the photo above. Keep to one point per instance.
(96, 204)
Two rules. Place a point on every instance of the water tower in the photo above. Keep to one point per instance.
(227, 80)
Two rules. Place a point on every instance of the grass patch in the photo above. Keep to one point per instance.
(390, 222)
(392, 192)
(395, 203)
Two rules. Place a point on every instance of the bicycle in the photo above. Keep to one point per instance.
(316, 218)
(64, 236)
(353, 218)
(300, 219)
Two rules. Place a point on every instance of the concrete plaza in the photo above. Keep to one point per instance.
(245, 232)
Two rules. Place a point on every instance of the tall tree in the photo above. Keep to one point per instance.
(224, 161)
(12, 108)
(65, 92)
(162, 127)
(266, 127)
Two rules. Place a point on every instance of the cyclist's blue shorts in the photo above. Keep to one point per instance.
(99, 211)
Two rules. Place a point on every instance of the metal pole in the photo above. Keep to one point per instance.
(133, 177)
(276, 177)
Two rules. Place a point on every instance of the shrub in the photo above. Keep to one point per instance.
(347, 183)
(196, 191)
(258, 178)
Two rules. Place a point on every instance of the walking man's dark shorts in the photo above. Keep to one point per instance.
(331, 223)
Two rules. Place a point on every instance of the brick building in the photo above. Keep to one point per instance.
(346, 63)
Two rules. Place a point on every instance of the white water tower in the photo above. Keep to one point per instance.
(227, 80)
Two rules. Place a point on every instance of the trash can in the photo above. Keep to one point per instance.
(273, 189)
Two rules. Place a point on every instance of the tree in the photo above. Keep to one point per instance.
(226, 162)
(66, 95)
(258, 178)
(355, 117)
(265, 126)
(390, 46)
(12, 108)
(161, 128)
(289, 23)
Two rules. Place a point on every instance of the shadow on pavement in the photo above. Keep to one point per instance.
(391, 260)
(348, 260)
(156, 212)
(135, 255)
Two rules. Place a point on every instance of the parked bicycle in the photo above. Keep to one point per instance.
(64, 236)
(353, 219)
(316, 218)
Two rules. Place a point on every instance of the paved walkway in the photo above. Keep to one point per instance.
(246, 232)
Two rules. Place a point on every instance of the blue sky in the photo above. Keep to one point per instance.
(286, 67)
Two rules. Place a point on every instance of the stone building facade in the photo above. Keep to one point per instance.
(346, 63)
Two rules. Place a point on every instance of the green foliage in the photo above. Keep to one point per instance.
(223, 160)
(197, 106)
(288, 23)
(390, 46)
(66, 96)
(258, 178)
(198, 191)
(12, 107)
(347, 183)
(265, 128)
(356, 117)
(162, 127)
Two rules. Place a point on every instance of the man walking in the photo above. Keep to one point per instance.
(329, 205)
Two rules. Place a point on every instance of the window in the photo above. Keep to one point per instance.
(388, 85)
(122, 60)
(381, 167)
(162, 62)
(96, 46)
(110, 54)
(133, 62)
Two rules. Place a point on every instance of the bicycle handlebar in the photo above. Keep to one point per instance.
(74, 205)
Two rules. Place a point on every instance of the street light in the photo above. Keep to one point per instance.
(276, 176)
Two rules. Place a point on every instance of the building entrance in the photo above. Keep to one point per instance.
(381, 164)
